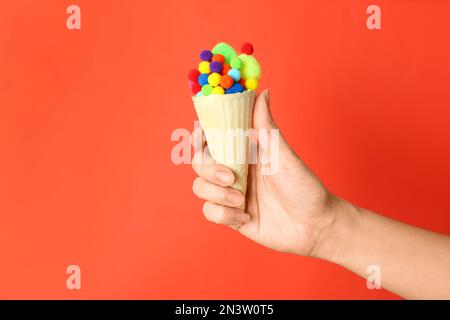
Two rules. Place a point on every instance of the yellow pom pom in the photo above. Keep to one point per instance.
(203, 67)
(214, 79)
(218, 90)
(251, 84)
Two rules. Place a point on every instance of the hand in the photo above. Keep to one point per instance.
(291, 211)
(288, 211)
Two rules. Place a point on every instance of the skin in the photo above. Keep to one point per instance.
(293, 212)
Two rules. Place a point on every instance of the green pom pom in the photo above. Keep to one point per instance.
(226, 50)
(250, 67)
(236, 63)
(206, 90)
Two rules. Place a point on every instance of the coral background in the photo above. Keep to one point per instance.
(86, 118)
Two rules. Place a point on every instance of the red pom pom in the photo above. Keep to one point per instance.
(247, 48)
(242, 82)
(193, 75)
(196, 87)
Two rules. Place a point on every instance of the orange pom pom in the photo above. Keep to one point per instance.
(218, 57)
(226, 81)
(225, 68)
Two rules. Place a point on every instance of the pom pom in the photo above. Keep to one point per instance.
(215, 66)
(236, 63)
(206, 90)
(193, 75)
(235, 74)
(251, 84)
(206, 55)
(196, 87)
(225, 68)
(203, 67)
(218, 57)
(250, 67)
(218, 90)
(238, 87)
(242, 82)
(199, 94)
(247, 48)
(235, 89)
(226, 81)
(214, 79)
(226, 50)
(203, 79)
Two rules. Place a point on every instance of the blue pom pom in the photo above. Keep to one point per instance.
(203, 79)
(237, 87)
(235, 74)
(206, 55)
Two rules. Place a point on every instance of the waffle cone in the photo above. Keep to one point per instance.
(225, 120)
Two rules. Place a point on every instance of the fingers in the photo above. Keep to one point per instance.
(210, 171)
(211, 192)
(205, 166)
(225, 215)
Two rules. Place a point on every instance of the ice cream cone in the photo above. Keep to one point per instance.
(225, 120)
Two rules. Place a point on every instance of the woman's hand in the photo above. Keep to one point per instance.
(287, 211)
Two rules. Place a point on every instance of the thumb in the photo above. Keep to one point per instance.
(262, 118)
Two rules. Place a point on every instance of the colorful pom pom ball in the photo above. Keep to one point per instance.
(236, 63)
(225, 68)
(226, 82)
(250, 67)
(203, 79)
(206, 55)
(235, 89)
(247, 48)
(235, 74)
(218, 57)
(251, 84)
(203, 67)
(206, 90)
(214, 79)
(215, 66)
(226, 50)
(218, 90)
(196, 87)
(193, 75)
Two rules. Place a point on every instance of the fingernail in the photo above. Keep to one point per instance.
(225, 177)
(242, 217)
(267, 96)
(235, 198)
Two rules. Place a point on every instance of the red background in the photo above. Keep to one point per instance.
(86, 118)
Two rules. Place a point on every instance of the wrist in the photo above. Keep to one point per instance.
(341, 221)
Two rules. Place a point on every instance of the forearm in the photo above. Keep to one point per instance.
(414, 263)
